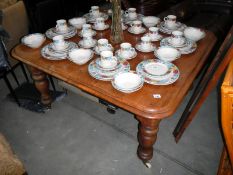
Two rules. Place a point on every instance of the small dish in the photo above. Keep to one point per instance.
(167, 53)
(80, 56)
(139, 48)
(77, 22)
(34, 40)
(100, 29)
(153, 38)
(130, 30)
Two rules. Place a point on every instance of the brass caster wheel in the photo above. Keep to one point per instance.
(148, 164)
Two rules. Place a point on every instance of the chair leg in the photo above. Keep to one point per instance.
(52, 82)
(24, 71)
(14, 76)
(11, 89)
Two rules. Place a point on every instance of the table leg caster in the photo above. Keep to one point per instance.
(147, 164)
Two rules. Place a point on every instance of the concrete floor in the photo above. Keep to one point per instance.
(79, 137)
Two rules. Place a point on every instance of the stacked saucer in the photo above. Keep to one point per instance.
(130, 55)
(128, 82)
(100, 72)
(69, 33)
(50, 52)
(168, 30)
(158, 72)
(185, 47)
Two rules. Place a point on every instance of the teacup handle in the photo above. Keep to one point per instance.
(165, 18)
(126, 12)
(132, 49)
(109, 46)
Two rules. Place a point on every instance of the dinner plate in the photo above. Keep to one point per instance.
(105, 75)
(167, 75)
(51, 55)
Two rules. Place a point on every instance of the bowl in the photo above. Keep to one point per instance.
(77, 22)
(194, 34)
(150, 21)
(34, 40)
(167, 54)
(80, 56)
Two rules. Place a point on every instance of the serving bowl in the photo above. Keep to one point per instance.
(167, 54)
(34, 40)
(150, 21)
(194, 34)
(80, 56)
(77, 22)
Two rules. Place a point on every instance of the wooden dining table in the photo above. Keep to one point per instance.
(147, 108)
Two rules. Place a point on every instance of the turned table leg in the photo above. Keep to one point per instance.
(42, 85)
(147, 134)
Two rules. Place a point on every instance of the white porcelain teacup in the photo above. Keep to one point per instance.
(170, 21)
(103, 45)
(77, 22)
(99, 23)
(177, 38)
(95, 11)
(153, 32)
(126, 50)
(88, 41)
(131, 13)
(136, 26)
(86, 28)
(107, 60)
(61, 25)
(59, 42)
(146, 43)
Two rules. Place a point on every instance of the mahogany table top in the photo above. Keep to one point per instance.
(141, 102)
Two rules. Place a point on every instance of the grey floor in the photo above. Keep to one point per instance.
(79, 137)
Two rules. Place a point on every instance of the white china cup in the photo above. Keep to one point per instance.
(136, 26)
(177, 38)
(99, 23)
(95, 11)
(150, 21)
(59, 42)
(153, 32)
(77, 22)
(61, 25)
(131, 13)
(170, 21)
(103, 45)
(107, 60)
(146, 43)
(88, 40)
(126, 50)
(86, 28)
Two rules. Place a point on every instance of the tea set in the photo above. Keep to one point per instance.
(115, 67)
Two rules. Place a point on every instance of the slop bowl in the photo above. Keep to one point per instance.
(150, 21)
(77, 22)
(80, 56)
(167, 54)
(194, 34)
(34, 40)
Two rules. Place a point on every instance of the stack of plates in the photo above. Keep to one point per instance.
(163, 28)
(50, 52)
(97, 71)
(90, 18)
(187, 47)
(127, 82)
(71, 31)
(158, 72)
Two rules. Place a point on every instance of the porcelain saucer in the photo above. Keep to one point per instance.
(97, 52)
(93, 33)
(128, 20)
(50, 33)
(164, 29)
(139, 48)
(90, 18)
(130, 30)
(100, 29)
